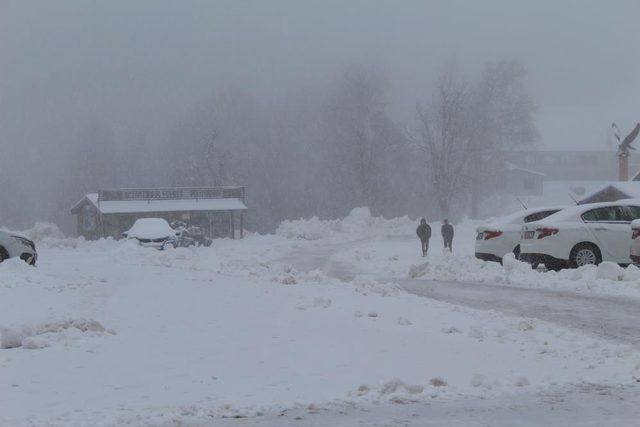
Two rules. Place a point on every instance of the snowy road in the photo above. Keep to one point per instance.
(612, 318)
(585, 405)
(609, 317)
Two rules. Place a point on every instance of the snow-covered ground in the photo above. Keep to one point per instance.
(110, 333)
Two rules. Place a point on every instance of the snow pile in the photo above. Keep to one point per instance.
(607, 278)
(41, 231)
(358, 223)
(393, 257)
(43, 335)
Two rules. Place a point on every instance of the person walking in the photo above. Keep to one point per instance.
(447, 235)
(424, 233)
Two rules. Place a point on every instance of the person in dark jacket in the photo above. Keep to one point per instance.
(424, 233)
(447, 234)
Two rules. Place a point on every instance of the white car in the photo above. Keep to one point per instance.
(581, 235)
(635, 242)
(502, 235)
(12, 245)
(153, 232)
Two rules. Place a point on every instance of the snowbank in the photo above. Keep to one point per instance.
(380, 248)
(42, 335)
(359, 223)
(41, 231)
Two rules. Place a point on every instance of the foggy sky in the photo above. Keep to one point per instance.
(139, 65)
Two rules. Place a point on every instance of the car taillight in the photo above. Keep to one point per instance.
(636, 233)
(546, 232)
(491, 234)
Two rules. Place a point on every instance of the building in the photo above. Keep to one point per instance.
(521, 181)
(566, 165)
(219, 211)
(613, 191)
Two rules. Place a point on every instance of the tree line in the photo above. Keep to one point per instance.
(316, 152)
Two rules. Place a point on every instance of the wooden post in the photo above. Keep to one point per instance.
(623, 167)
(241, 225)
(233, 226)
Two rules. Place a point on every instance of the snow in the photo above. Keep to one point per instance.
(111, 333)
(387, 249)
(629, 188)
(139, 206)
(151, 228)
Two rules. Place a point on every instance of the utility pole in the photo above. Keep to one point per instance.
(623, 150)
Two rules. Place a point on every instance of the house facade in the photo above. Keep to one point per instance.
(218, 211)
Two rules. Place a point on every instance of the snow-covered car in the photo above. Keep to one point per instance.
(12, 245)
(581, 235)
(153, 232)
(635, 242)
(502, 235)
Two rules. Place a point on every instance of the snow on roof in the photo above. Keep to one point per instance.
(145, 206)
(136, 206)
(512, 167)
(91, 198)
(627, 189)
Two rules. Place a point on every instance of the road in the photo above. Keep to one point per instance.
(612, 318)
(609, 317)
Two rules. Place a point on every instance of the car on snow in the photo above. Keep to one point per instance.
(152, 232)
(581, 235)
(502, 235)
(12, 245)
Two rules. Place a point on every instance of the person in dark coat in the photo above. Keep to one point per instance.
(447, 234)
(424, 233)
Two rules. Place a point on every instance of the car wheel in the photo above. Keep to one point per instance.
(585, 254)
(3, 254)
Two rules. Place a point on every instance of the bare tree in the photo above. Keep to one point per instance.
(467, 129)
(356, 130)
(445, 139)
(503, 120)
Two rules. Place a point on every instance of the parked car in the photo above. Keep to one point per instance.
(12, 245)
(502, 235)
(153, 232)
(635, 242)
(581, 235)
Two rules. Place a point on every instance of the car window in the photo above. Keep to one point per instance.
(607, 214)
(540, 215)
(634, 212)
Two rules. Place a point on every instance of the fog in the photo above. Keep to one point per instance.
(102, 94)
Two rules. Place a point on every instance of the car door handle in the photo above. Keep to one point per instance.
(600, 229)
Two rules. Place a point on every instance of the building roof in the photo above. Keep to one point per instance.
(613, 191)
(515, 168)
(146, 206)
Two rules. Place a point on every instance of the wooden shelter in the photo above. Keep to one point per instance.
(219, 211)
